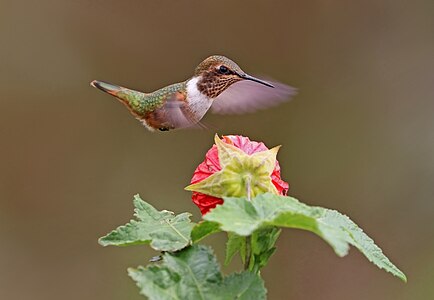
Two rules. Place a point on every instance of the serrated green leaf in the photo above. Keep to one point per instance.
(161, 229)
(244, 286)
(234, 245)
(263, 241)
(360, 240)
(244, 217)
(203, 229)
(194, 273)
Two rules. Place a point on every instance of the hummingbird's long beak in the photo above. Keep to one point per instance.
(248, 77)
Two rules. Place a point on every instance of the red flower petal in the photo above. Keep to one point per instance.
(211, 165)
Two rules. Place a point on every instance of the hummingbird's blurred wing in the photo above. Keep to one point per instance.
(178, 114)
(248, 96)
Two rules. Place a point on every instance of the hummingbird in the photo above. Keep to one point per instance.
(218, 84)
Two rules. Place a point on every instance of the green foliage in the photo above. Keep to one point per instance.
(245, 218)
(234, 245)
(161, 229)
(203, 229)
(243, 286)
(253, 227)
(262, 244)
(195, 274)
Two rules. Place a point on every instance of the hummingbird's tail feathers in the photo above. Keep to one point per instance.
(109, 88)
(135, 101)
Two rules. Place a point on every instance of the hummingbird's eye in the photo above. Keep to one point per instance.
(223, 70)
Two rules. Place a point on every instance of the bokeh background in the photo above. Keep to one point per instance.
(359, 137)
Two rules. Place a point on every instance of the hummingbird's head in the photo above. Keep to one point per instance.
(217, 73)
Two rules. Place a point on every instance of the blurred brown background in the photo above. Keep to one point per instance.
(359, 137)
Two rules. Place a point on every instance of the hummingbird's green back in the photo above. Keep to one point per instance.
(142, 103)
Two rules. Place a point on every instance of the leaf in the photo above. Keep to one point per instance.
(243, 217)
(203, 229)
(234, 244)
(161, 229)
(194, 273)
(360, 240)
(244, 286)
(263, 241)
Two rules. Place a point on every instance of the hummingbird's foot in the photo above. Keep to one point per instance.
(164, 128)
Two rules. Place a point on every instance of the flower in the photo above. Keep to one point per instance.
(236, 167)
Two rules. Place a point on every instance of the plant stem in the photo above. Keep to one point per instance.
(248, 252)
(248, 238)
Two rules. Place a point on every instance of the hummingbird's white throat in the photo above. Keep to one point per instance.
(198, 102)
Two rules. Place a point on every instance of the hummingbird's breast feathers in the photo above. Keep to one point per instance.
(198, 102)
